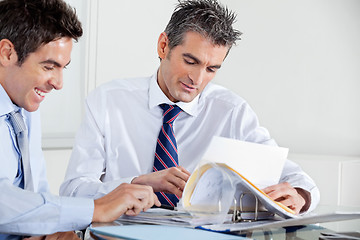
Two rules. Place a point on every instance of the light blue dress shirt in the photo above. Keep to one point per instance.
(117, 139)
(24, 212)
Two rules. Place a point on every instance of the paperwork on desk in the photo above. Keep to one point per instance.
(231, 175)
(173, 218)
(183, 219)
(260, 164)
(153, 232)
(304, 220)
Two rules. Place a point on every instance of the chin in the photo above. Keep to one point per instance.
(31, 108)
(187, 99)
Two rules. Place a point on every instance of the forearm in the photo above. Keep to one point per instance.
(27, 213)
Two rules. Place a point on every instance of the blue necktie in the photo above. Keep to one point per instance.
(24, 171)
(166, 155)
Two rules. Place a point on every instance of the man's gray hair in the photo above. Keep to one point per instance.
(206, 17)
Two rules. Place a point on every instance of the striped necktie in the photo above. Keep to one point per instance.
(166, 155)
(21, 133)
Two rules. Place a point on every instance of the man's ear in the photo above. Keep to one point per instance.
(7, 52)
(163, 45)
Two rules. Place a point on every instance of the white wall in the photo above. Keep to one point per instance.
(298, 64)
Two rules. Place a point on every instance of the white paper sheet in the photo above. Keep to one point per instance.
(261, 164)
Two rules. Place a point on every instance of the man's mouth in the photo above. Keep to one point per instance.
(188, 87)
(40, 93)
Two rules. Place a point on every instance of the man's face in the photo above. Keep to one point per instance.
(41, 72)
(186, 70)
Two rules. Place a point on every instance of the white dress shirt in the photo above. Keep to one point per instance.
(24, 212)
(117, 139)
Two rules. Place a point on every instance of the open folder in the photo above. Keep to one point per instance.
(221, 182)
(216, 187)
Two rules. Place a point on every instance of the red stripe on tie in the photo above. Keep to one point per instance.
(172, 131)
(167, 111)
(167, 199)
(168, 138)
(172, 119)
(161, 161)
(167, 153)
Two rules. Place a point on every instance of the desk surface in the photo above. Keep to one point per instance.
(298, 232)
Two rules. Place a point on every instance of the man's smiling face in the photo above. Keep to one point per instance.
(41, 72)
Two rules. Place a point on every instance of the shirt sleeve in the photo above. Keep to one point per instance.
(88, 159)
(27, 213)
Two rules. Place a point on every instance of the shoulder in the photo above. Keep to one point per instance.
(120, 87)
(221, 96)
(125, 84)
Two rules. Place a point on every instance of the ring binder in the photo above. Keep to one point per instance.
(239, 213)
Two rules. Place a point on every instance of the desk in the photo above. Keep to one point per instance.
(307, 232)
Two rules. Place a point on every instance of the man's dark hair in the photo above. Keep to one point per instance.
(29, 24)
(206, 17)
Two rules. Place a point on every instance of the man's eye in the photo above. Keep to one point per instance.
(211, 70)
(188, 62)
(49, 68)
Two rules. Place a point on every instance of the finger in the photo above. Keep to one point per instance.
(277, 195)
(280, 191)
(146, 195)
(172, 187)
(184, 170)
(287, 202)
(156, 200)
(179, 172)
(178, 178)
(280, 187)
(178, 183)
(136, 207)
(268, 190)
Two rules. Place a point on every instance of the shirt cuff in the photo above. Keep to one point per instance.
(76, 212)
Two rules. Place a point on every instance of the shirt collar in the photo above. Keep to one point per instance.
(7, 106)
(157, 97)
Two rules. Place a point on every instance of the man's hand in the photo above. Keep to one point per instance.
(171, 180)
(55, 236)
(296, 199)
(129, 199)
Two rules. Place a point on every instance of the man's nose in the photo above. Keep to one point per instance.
(57, 81)
(197, 77)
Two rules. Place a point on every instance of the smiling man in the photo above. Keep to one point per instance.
(154, 130)
(36, 39)
(27, 84)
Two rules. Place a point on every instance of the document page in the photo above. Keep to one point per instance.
(261, 164)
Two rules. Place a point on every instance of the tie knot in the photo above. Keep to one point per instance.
(170, 112)
(17, 122)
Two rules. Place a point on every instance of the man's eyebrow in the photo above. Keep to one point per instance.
(189, 55)
(53, 62)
